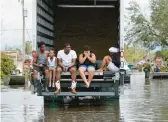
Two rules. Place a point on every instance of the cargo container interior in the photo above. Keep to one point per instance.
(86, 22)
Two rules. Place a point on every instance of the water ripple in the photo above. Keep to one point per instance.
(140, 101)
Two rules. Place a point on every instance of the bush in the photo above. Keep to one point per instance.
(7, 65)
(163, 69)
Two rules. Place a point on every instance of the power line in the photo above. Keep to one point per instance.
(14, 29)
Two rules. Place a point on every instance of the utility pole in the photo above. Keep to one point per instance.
(1, 26)
(1, 32)
(23, 32)
(24, 14)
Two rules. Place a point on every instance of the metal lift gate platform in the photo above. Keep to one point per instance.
(103, 84)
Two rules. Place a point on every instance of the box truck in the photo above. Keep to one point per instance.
(97, 23)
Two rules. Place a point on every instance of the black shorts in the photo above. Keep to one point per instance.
(38, 69)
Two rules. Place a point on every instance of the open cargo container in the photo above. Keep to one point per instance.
(97, 23)
(78, 22)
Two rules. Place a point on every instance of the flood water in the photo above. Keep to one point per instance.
(139, 102)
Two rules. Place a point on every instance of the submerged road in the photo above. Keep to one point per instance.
(139, 101)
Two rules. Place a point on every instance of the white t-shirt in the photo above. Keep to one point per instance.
(66, 58)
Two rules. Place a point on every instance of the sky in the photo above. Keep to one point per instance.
(11, 20)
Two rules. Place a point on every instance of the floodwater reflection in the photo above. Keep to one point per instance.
(140, 101)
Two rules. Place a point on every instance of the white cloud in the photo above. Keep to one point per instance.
(11, 17)
(11, 14)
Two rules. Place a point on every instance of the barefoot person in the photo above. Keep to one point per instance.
(66, 62)
(52, 62)
(87, 62)
(112, 61)
(40, 64)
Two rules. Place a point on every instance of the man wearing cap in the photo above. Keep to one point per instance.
(112, 61)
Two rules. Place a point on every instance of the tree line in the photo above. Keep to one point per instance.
(151, 30)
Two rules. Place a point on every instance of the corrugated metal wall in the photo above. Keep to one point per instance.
(96, 27)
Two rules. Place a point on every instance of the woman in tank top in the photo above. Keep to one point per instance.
(52, 63)
(40, 65)
(87, 62)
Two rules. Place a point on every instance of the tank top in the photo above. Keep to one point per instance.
(116, 60)
(87, 62)
(42, 58)
(51, 62)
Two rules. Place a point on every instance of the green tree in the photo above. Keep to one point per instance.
(159, 17)
(134, 54)
(7, 65)
(149, 31)
(28, 47)
(162, 53)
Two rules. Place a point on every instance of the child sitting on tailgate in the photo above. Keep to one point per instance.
(34, 55)
(52, 63)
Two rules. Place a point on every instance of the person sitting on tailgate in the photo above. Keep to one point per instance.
(40, 64)
(66, 62)
(112, 61)
(52, 63)
(87, 62)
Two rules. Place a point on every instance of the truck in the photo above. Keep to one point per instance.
(97, 23)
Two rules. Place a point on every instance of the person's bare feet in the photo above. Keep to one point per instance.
(49, 84)
(100, 70)
(87, 84)
(53, 85)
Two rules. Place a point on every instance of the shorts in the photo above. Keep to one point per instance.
(87, 67)
(67, 69)
(51, 66)
(38, 69)
(112, 67)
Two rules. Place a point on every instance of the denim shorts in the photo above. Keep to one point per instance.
(87, 67)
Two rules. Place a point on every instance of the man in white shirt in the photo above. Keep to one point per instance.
(66, 62)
